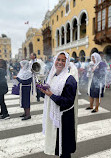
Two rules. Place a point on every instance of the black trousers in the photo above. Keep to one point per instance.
(65, 156)
(39, 94)
(3, 105)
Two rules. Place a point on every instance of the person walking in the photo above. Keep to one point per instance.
(3, 90)
(73, 69)
(97, 81)
(58, 115)
(48, 66)
(34, 59)
(78, 65)
(24, 77)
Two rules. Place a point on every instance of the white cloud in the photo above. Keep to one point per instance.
(14, 13)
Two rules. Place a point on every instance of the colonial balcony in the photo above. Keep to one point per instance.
(47, 51)
(103, 37)
(47, 47)
(74, 44)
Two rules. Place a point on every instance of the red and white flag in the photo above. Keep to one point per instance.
(27, 22)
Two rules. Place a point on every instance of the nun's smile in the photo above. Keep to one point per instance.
(60, 63)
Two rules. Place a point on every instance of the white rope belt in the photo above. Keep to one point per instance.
(26, 85)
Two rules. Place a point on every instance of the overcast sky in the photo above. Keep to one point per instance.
(14, 14)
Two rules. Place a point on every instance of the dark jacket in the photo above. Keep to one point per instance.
(3, 82)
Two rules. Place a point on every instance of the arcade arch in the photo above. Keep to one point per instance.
(107, 52)
(25, 52)
(67, 32)
(30, 48)
(74, 30)
(62, 35)
(58, 36)
(93, 50)
(74, 55)
(83, 25)
(82, 55)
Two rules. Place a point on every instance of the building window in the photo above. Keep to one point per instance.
(94, 28)
(103, 0)
(62, 36)
(99, 21)
(57, 17)
(58, 35)
(74, 30)
(53, 22)
(109, 17)
(38, 52)
(103, 18)
(5, 51)
(38, 39)
(67, 8)
(62, 13)
(99, 1)
(74, 3)
(68, 33)
(5, 56)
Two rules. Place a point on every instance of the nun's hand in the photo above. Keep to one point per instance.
(14, 77)
(47, 92)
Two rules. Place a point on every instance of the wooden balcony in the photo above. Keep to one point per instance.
(47, 38)
(103, 37)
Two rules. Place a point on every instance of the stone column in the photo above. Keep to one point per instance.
(78, 32)
(60, 39)
(65, 36)
(56, 41)
(71, 33)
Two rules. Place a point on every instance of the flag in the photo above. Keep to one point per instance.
(27, 22)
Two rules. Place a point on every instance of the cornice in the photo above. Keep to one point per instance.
(53, 11)
(57, 6)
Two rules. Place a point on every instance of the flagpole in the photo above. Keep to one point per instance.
(27, 23)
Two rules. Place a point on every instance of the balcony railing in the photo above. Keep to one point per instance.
(74, 44)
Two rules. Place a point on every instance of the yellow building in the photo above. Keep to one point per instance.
(33, 44)
(5, 47)
(72, 26)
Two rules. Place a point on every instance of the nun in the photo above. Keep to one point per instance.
(24, 77)
(58, 115)
(97, 81)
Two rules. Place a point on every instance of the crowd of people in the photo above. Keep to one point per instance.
(65, 76)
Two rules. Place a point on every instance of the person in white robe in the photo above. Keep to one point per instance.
(58, 116)
(97, 81)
